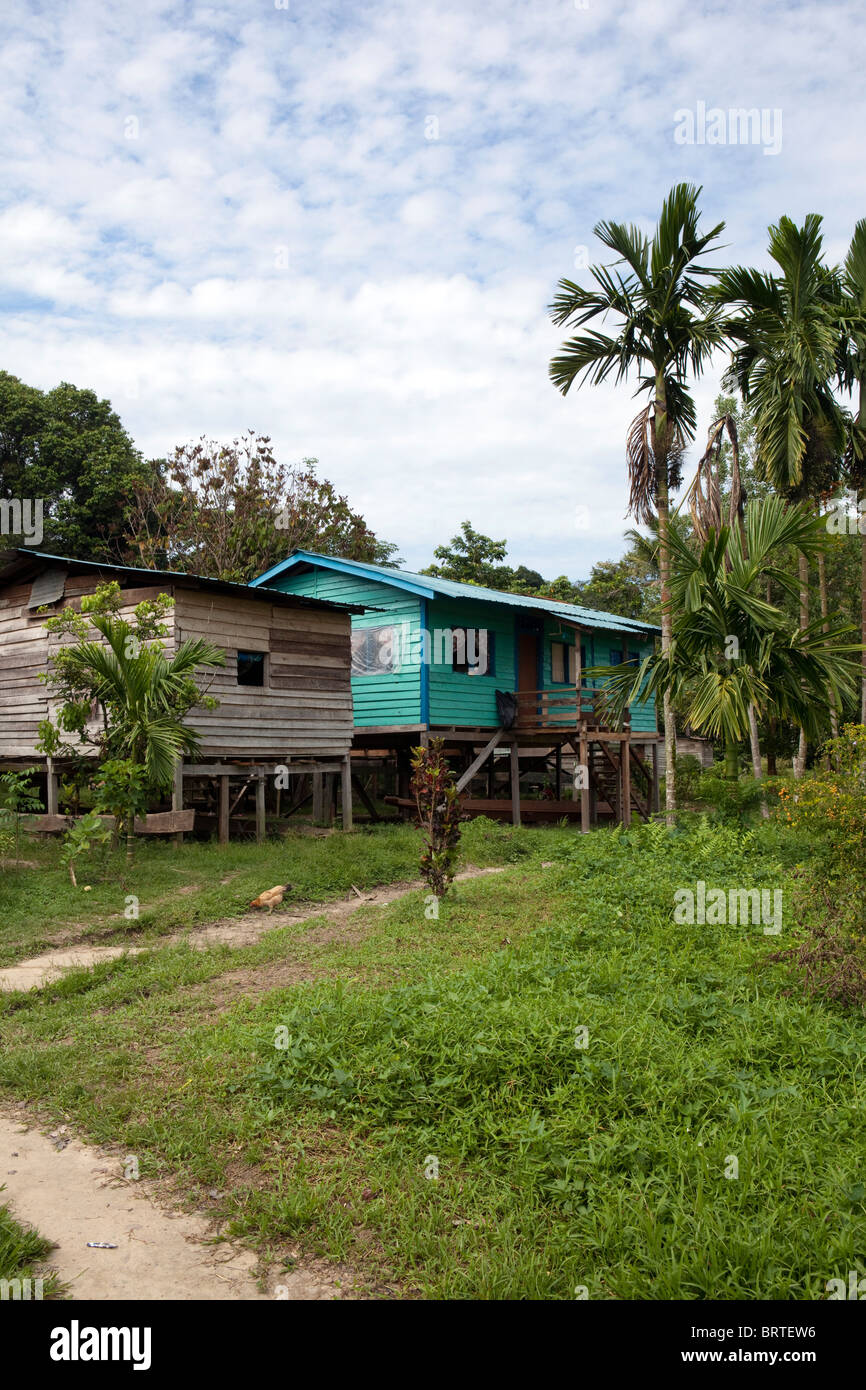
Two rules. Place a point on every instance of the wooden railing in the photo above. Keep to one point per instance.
(560, 709)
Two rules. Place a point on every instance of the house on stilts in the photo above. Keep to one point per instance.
(499, 677)
(283, 724)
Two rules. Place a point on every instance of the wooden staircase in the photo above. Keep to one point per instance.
(606, 781)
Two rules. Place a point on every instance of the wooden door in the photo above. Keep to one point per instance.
(527, 661)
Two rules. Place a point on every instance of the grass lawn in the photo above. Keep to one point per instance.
(22, 1253)
(408, 1095)
(201, 881)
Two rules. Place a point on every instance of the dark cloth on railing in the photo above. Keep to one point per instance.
(506, 708)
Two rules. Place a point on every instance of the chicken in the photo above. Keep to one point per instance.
(272, 897)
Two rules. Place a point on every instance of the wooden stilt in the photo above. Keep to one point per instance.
(583, 759)
(656, 799)
(51, 788)
(558, 773)
(515, 784)
(404, 773)
(224, 809)
(318, 798)
(625, 762)
(177, 796)
(261, 821)
(346, 789)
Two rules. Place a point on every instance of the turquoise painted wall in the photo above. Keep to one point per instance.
(455, 697)
(388, 697)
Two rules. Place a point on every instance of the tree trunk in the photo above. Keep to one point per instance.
(757, 770)
(732, 760)
(755, 745)
(660, 453)
(771, 746)
(822, 591)
(803, 563)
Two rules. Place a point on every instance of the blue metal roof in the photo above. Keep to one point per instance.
(430, 587)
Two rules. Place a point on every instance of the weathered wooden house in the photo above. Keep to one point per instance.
(436, 658)
(284, 692)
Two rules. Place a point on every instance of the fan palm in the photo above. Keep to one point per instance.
(730, 647)
(667, 326)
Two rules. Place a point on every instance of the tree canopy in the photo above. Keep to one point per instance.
(230, 511)
(69, 448)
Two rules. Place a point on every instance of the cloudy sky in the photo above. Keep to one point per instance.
(340, 224)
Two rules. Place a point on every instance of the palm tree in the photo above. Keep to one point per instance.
(144, 694)
(731, 648)
(854, 373)
(667, 326)
(784, 364)
(144, 697)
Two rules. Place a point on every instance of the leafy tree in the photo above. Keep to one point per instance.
(69, 448)
(667, 327)
(627, 586)
(471, 558)
(231, 511)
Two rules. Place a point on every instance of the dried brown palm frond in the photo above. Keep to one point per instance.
(641, 457)
(705, 494)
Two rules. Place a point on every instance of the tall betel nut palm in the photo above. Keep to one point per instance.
(665, 326)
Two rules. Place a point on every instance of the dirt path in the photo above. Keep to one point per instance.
(229, 931)
(73, 1194)
(41, 970)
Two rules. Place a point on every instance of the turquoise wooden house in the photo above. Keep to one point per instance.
(488, 671)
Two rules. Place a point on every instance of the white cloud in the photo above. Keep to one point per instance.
(279, 243)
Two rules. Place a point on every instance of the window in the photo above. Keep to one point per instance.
(251, 668)
(634, 658)
(473, 651)
(373, 651)
(615, 657)
(559, 661)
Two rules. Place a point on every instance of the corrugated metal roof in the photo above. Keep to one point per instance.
(17, 559)
(428, 586)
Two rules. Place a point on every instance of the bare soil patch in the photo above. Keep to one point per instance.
(74, 1194)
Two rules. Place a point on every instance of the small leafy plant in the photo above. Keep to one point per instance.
(17, 798)
(81, 837)
(122, 790)
(438, 805)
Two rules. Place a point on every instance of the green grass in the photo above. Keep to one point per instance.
(559, 1167)
(178, 887)
(22, 1255)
